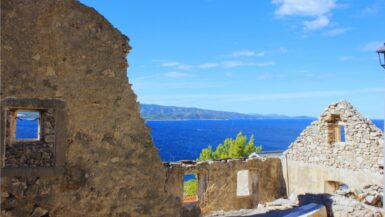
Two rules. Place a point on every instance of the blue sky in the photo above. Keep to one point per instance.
(290, 57)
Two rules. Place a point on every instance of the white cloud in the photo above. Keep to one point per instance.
(263, 64)
(170, 64)
(375, 8)
(178, 75)
(372, 46)
(233, 64)
(317, 10)
(176, 65)
(310, 94)
(183, 67)
(318, 23)
(335, 32)
(247, 53)
(208, 65)
(226, 98)
(304, 7)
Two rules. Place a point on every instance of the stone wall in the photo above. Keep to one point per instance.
(362, 149)
(317, 156)
(65, 51)
(217, 182)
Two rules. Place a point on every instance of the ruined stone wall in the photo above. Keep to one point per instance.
(362, 149)
(217, 182)
(317, 157)
(63, 50)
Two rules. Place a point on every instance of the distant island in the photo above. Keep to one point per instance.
(160, 112)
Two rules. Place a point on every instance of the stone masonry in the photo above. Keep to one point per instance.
(361, 151)
(217, 182)
(62, 50)
(96, 156)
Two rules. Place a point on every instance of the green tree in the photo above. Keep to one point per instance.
(206, 153)
(231, 148)
(250, 147)
(237, 146)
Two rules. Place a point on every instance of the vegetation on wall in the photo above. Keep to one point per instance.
(190, 187)
(231, 148)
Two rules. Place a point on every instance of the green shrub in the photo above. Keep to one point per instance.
(190, 187)
(231, 148)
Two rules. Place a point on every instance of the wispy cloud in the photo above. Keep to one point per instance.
(318, 11)
(176, 65)
(372, 46)
(335, 32)
(178, 75)
(208, 65)
(304, 7)
(248, 53)
(229, 98)
(184, 67)
(225, 64)
(233, 64)
(263, 64)
(170, 64)
(318, 23)
(307, 94)
(375, 8)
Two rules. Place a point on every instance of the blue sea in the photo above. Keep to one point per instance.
(183, 140)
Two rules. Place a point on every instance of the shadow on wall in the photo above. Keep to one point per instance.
(272, 183)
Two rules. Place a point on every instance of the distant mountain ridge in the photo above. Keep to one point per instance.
(160, 112)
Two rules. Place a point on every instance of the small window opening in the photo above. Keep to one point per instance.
(190, 188)
(27, 125)
(340, 133)
(243, 183)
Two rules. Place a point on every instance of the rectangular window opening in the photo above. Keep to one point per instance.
(27, 125)
(190, 188)
(342, 133)
(243, 183)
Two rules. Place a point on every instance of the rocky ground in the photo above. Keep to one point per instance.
(344, 203)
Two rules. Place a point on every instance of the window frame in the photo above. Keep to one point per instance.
(39, 127)
(338, 132)
(59, 107)
(197, 189)
(239, 187)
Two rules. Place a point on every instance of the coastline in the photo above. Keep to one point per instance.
(257, 119)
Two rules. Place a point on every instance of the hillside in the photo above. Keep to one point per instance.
(159, 112)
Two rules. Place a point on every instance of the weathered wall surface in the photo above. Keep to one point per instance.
(217, 188)
(312, 178)
(317, 156)
(64, 50)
